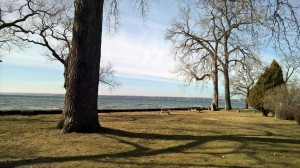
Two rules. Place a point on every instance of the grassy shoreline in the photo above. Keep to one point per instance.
(147, 139)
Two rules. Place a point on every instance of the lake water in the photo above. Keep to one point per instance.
(50, 102)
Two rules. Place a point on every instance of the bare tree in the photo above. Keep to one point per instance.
(282, 23)
(195, 55)
(13, 14)
(112, 12)
(290, 65)
(215, 31)
(246, 75)
(54, 32)
(106, 77)
(80, 109)
(241, 27)
(81, 63)
(80, 56)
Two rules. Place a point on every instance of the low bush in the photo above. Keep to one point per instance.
(297, 115)
(283, 101)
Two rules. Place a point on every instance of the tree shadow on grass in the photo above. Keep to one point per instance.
(141, 151)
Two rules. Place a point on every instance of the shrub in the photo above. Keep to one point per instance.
(283, 101)
(271, 78)
(297, 115)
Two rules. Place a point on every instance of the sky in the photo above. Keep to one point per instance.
(138, 52)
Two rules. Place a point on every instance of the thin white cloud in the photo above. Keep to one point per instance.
(31, 57)
(144, 55)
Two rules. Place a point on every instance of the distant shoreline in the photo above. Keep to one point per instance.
(100, 96)
(37, 112)
(106, 103)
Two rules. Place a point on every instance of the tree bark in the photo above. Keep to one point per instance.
(66, 77)
(215, 98)
(226, 74)
(246, 104)
(227, 89)
(80, 108)
(246, 101)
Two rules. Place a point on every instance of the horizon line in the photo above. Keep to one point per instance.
(62, 94)
(45, 94)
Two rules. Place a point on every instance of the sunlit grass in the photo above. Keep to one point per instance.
(147, 139)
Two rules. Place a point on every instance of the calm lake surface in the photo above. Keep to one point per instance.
(50, 102)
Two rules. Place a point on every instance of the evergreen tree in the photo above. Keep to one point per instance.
(271, 78)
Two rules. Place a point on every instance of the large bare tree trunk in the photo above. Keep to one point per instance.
(80, 109)
(215, 98)
(227, 89)
(226, 74)
(246, 101)
(246, 104)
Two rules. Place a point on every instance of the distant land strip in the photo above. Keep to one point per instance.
(36, 112)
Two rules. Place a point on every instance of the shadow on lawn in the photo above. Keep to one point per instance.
(140, 151)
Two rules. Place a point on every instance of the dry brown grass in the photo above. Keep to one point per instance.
(147, 139)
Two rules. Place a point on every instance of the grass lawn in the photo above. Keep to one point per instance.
(147, 139)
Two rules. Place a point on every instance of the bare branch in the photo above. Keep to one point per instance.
(106, 77)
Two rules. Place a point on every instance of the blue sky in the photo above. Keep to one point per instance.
(138, 52)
